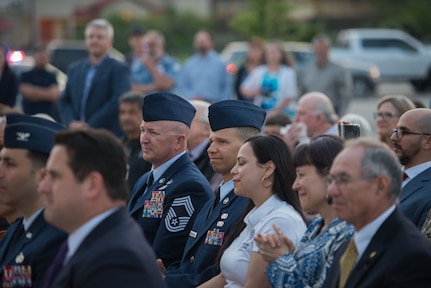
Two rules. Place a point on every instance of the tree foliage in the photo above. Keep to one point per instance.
(263, 18)
(411, 16)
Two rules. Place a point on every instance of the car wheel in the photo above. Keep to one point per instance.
(362, 88)
(419, 85)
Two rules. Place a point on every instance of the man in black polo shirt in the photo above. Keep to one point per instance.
(39, 86)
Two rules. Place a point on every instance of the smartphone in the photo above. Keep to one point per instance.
(349, 130)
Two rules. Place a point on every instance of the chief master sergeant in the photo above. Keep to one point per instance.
(165, 200)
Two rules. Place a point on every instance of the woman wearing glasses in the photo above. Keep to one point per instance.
(307, 264)
(389, 110)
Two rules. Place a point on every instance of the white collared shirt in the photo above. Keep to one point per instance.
(363, 237)
(76, 238)
(414, 171)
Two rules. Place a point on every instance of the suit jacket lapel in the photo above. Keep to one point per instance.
(8, 239)
(19, 244)
(415, 184)
(164, 180)
(116, 218)
(374, 250)
(135, 199)
(202, 229)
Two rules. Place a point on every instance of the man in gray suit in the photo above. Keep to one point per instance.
(412, 144)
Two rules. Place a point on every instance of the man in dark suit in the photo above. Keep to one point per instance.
(30, 244)
(165, 201)
(86, 197)
(95, 84)
(386, 250)
(412, 144)
(232, 122)
(198, 142)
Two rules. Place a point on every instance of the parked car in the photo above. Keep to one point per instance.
(398, 55)
(65, 52)
(365, 75)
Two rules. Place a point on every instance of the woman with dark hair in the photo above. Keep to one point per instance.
(264, 174)
(308, 264)
(8, 82)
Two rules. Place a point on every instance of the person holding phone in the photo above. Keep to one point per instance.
(154, 70)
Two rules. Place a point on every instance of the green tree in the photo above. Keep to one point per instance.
(411, 16)
(263, 18)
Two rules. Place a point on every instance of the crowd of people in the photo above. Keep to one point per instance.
(186, 187)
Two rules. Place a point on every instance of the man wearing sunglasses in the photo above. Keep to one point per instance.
(412, 143)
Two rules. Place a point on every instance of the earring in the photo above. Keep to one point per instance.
(263, 182)
(328, 199)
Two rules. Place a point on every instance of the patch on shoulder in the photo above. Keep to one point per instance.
(179, 214)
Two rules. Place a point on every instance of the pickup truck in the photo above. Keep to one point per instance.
(398, 55)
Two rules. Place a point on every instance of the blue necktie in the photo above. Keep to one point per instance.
(88, 79)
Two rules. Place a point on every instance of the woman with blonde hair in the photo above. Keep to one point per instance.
(389, 110)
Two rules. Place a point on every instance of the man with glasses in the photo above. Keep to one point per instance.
(412, 143)
(386, 249)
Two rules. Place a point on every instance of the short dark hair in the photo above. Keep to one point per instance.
(97, 150)
(38, 159)
(132, 97)
(278, 119)
(320, 153)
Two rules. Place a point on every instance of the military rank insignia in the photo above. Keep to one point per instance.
(153, 208)
(214, 237)
(17, 276)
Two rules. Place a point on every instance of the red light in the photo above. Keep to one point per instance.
(15, 57)
(231, 68)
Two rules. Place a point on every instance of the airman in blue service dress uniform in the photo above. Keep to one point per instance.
(216, 218)
(30, 244)
(167, 208)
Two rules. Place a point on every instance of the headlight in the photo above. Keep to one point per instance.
(15, 57)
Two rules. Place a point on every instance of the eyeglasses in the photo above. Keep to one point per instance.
(400, 133)
(340, 179)
(384, 116)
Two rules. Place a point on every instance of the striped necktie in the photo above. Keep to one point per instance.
(347, 262)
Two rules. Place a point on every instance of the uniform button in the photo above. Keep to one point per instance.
(192, 259)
